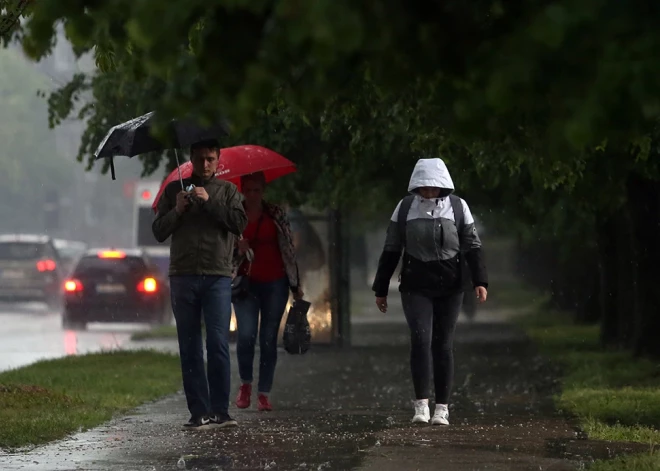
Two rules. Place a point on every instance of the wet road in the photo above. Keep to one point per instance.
(30, 332)
(343, 409)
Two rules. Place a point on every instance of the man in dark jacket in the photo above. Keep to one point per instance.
(203, 223)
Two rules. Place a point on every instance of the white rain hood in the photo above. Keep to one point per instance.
(430, 173)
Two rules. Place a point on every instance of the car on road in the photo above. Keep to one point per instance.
(116, 285)
(30, 269)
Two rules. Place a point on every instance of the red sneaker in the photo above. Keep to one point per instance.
(264, 403)
(244, 394)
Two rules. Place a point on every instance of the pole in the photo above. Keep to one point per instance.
(339, 280)
(178, 167)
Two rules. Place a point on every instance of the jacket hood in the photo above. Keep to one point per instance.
(430, 173)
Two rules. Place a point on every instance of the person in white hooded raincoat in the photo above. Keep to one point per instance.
(439, 260)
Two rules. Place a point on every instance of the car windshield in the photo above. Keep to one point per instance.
(95, 266)
(21, 251)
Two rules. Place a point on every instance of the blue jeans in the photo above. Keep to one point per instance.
(270, 299)
(193, 295)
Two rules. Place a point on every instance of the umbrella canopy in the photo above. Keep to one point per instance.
(236, 162)
(134, 137)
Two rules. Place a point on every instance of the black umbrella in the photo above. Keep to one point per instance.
(134, 137)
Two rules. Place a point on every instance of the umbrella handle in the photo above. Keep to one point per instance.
(178, 167)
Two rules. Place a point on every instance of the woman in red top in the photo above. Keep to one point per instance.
(272, 273)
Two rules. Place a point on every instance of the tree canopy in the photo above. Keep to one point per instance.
(566, 70)
(539, 92)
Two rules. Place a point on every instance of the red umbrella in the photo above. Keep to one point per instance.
(236, 162)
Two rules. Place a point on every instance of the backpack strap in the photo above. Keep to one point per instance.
(457, 207)
(402, 219)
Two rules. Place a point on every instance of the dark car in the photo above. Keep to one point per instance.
(30, 269)
(116, 286)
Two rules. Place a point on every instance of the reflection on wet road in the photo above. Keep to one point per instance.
(30, 332)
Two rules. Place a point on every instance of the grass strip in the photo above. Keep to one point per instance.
(615, 396)
(160, 332)
(50, 399)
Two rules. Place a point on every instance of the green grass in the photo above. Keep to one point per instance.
(51, 399)
(615, 396)
(160, 332)
(645, 462)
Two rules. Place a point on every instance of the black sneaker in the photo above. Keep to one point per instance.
(199, 423)
(222, 421)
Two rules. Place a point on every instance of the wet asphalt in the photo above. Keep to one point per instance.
(31, 332)
(345, 409)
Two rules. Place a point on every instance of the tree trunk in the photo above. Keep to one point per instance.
(584, 276)
(644, 199)
(561, 283)
(626, 258)
(608, 248)
(589, 309)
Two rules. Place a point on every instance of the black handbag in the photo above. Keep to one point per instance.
(297, 336)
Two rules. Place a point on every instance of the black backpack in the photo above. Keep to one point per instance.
(459, 221)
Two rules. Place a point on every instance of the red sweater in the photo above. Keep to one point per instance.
(268, 264)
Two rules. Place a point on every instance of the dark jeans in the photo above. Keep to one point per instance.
(211, 295)
(432, 322)
(270, 299)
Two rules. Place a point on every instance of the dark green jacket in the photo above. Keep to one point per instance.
(203, 237)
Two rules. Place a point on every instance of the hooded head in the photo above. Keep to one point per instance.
(431, 179)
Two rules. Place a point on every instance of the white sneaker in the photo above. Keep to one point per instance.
(441, 416)
(422, 412)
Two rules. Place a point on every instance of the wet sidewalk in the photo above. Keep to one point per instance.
(350, 409)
